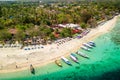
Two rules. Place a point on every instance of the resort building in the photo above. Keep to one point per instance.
(70, 25)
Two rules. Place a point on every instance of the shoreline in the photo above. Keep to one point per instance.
(57, 53)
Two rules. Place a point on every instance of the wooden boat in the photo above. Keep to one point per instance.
(58, 63)
(74, 58)
(32, 70)
(66, 60)
(82, 54)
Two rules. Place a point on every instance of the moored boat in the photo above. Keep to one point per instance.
(85, 48)
(91, 43)
(87, 45)
(66, 60)
(32, 70)
(74, 55)
(74, 58)
(82, 54)
(58, 63)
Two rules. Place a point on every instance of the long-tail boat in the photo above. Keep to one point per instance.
(82, 54)
(66, 61)
(32, 70)
(74, 58)
(74, 55)
(91, 43)
(85, 48)
(87, 45)
(58, 63)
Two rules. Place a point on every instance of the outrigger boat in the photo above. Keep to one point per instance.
(74, 58)
(32, 70)
(66, 60)
(85, 48)
(74, 55)
(58, 63)
(82, 54)
(87, 45)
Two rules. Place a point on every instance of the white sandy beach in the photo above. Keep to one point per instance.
(10, 57)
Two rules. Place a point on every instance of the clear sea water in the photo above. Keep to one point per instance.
(104, 63)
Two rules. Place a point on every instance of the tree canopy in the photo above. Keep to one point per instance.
(35, 19)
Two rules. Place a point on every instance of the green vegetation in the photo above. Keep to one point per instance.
(83, 25)
(34, 19)
(66, 32)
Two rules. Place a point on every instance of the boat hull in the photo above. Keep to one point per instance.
(66, 61)
(82, 55)
(87, 45)
(58, 63)
(92, 43)
(74, 55)
(32, 70)
(74, 58)
(85, 48)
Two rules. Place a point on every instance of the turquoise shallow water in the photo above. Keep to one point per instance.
(104, 63)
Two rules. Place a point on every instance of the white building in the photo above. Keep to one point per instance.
(70, 25)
